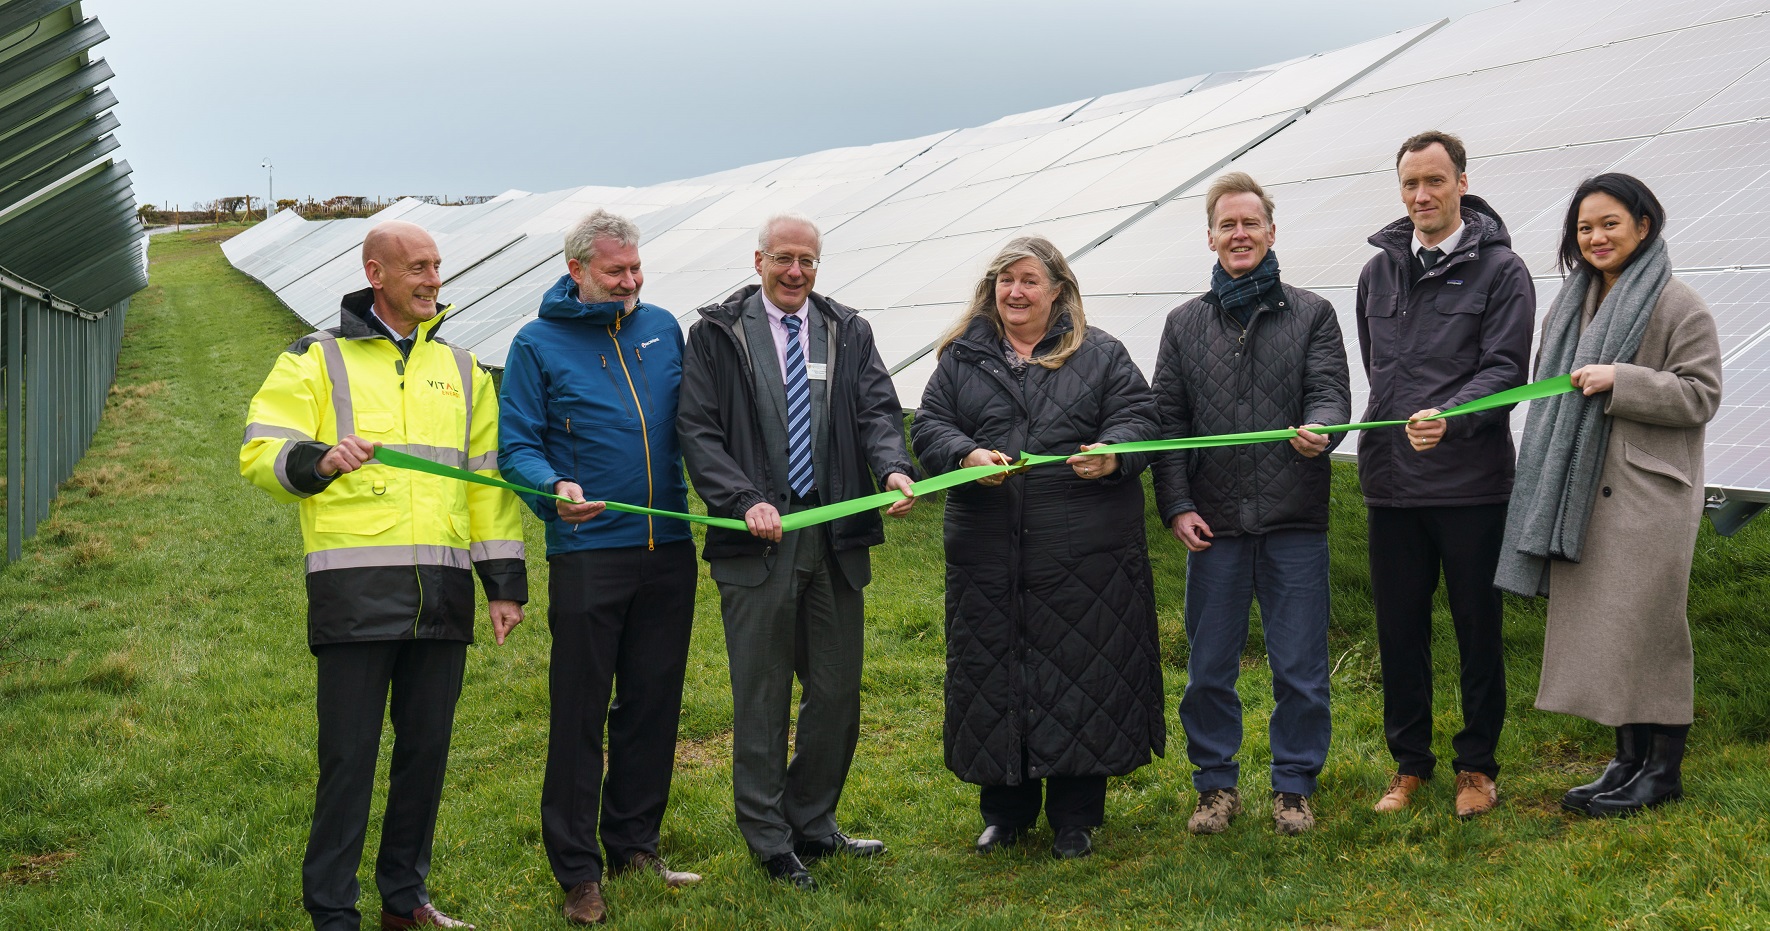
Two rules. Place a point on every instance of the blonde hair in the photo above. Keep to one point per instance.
(1068, 300)
(1236, 182)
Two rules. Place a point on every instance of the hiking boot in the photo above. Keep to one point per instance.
(1401, 791)
(1290, 813)
(1216, 808)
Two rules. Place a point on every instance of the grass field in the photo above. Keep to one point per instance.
(156, 730)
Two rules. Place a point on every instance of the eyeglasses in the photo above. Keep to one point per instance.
(784, 262)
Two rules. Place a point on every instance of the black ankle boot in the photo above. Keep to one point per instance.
(1659, 781)
(1631, 752)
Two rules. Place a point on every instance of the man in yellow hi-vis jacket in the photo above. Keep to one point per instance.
(389, 583)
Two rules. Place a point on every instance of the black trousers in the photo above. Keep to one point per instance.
(1069, 801)
(1408, 547)
(424, 677)
(621, 620)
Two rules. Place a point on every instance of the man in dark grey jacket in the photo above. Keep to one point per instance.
(785, 406)
(1445, 313)
(1252, 354)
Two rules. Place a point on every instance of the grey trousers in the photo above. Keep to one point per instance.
(802, 620)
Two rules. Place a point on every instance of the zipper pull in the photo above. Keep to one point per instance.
(568, 425)
(636, 354)
(604, 359)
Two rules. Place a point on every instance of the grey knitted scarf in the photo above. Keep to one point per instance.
(1565, 436)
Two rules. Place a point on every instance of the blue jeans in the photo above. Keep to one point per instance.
(1288, 571)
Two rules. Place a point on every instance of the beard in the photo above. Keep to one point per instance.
(592, 293)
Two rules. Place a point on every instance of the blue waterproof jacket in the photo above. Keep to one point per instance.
(589, 396)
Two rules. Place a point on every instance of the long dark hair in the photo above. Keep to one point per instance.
(1628, 191)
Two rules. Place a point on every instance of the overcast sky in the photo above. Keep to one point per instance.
(452, 97)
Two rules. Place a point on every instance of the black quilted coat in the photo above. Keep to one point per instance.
(1286, 368)
(1052, 662)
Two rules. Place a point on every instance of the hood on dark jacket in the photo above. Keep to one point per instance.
(1479, 219)
(561, 302)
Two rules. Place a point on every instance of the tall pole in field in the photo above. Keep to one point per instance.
(270, 175)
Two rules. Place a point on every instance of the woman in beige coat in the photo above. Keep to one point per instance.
(1610, 491)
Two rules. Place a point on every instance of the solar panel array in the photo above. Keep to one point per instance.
(68, 221)
(1544, 92)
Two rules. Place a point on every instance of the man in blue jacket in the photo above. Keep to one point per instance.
(589, 412)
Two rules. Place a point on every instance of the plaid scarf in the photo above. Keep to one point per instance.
(1241, 295)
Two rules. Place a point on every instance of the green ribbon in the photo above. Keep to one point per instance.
(1548, 387)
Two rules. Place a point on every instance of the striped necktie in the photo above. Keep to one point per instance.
(798, 385)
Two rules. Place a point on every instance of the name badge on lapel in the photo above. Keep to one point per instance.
(815, 370)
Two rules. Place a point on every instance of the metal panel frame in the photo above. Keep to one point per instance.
(74, 249)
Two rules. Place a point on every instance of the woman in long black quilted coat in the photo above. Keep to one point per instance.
(1053, 679)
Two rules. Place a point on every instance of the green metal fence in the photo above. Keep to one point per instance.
(71, 249)
(59, 362)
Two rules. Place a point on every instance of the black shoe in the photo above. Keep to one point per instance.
(1659, 781)
(812, 851)
(787, 868)
(1072, 843)
(996, 836)
(1631, 753)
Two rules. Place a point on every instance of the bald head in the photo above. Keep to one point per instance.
(405, 269)
(390, 241)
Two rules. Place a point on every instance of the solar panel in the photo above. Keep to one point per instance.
(1747, 98)
(1544, 93)
(1734, 448)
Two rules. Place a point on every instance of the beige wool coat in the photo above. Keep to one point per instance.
(1617, 649)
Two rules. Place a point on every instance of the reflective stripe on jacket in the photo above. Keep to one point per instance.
(388, 550)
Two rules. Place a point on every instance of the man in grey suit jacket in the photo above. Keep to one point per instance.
(786, 406)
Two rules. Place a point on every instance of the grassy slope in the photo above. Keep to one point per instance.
(156, 730)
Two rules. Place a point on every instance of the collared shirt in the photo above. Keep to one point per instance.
(404, 343)
(1447, 246)
(777, 327)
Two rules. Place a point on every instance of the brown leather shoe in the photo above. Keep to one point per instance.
(584, 904)
(426, 916)
(1401, 791)
(1476, 794)
(646, 862)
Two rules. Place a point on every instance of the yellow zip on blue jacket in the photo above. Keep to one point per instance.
(388, 550)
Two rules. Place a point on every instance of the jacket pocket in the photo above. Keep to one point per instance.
(1648, 462)
(376, 422)
(362, 521)
(1379, 305)
(1452, 299)
(462, 524)
(623, 391)
(1458, 333)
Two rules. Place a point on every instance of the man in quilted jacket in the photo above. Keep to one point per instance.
(1251, 354)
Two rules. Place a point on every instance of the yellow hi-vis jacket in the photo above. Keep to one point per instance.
(388, 550)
